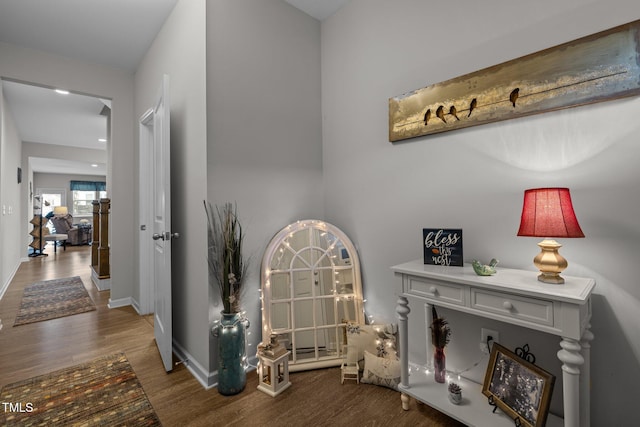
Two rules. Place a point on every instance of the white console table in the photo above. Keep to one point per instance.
(512, 296)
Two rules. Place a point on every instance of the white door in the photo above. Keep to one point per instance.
(162, 233)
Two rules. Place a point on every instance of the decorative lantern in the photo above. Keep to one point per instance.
(273, 369)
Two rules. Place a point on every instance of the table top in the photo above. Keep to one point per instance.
(524, 282)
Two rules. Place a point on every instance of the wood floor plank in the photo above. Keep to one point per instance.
(316, 398)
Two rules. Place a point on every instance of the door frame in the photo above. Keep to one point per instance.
(145, 214)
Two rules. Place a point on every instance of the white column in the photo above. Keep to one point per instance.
(571, 360)
(585, 378)
(403, 310)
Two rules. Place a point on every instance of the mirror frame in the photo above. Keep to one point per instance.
(265, 271)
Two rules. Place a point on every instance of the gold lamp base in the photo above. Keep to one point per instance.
(550, 262)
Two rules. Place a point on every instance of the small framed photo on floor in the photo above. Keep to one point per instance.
(519, 388)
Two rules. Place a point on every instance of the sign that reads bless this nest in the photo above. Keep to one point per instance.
(442, 246)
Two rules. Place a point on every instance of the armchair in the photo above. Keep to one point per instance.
(64, 225)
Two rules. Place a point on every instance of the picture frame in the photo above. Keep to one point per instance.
(595, 68)
(519, 388)
(442, 246)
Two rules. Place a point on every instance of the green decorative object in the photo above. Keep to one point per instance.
(484, 269)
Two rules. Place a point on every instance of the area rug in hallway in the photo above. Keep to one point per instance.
(105, 392)
(51, 299)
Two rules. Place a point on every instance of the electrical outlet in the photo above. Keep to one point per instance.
(484, 336)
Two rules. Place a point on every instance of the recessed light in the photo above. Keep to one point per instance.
(62, 91)
(102, 140)
(94, 165)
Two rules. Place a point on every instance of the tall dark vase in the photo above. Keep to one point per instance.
(439, 365)
(232, 377)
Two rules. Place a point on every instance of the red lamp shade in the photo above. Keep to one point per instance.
(548, 212)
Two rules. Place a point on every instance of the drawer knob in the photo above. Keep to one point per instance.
(433, 290)
(507, 305)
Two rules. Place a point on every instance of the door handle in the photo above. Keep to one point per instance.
(165, 236)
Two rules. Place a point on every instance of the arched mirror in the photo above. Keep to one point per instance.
(310, 289)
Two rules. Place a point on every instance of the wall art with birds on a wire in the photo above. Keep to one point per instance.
(599, 67)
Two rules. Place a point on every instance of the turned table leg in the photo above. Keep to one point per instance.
(585, 378)
(571, 360)
(404, 398)
(403, 310)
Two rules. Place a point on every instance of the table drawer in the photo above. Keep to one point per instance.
(530, 309)
(436, 291)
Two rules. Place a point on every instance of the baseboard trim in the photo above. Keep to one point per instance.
(207, 379)
(4, 288)
(6, 284)
(101, 284)
(136, 306)
(120, 302)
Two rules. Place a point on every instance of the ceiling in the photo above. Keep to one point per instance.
(319, 9)
(115, 33)
(43, 116)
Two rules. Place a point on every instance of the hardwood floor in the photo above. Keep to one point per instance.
(316, 398)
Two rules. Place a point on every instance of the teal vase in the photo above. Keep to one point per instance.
(232, 377)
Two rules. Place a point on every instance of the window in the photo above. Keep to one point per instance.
(83, 193)
(50, 198)
(82, 205)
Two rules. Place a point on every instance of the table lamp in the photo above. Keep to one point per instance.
(548, 213)
(60, 210)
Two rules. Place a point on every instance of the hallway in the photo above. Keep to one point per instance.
(315, 398)
(41, 347)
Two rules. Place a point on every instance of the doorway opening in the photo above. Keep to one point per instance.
(64, 136)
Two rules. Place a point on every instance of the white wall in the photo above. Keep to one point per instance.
(179, 51)
(10, 214)
(264, 148)
(45, 69)
(383, 194)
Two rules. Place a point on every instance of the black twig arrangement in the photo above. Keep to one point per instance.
(440, 331)
(226, 264)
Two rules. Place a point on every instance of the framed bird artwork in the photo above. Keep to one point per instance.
(595, 68)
